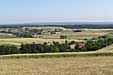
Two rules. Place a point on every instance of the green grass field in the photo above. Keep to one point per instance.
(5, 35)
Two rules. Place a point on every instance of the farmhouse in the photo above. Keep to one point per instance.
(72, 46)
(81, 45)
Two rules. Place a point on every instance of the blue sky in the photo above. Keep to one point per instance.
(27, 11)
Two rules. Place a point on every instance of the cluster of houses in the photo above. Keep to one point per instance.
(29, 31)
(80, 44)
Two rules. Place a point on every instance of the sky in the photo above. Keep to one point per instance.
(31, 11)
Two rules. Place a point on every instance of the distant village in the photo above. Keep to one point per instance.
(29, 32)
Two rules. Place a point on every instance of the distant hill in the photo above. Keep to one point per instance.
(64, 24)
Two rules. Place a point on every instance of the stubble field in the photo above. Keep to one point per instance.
(101, 65)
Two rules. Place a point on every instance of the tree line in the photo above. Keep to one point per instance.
(90, 45)
(98, 43)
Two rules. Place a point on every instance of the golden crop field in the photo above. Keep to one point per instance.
(101, 65)
(27, 40)
(18, 41)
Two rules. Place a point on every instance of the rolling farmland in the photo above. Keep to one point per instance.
(56, 37)
(68, 63)
(77, 36)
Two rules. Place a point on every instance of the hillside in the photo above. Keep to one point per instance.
(107, 49)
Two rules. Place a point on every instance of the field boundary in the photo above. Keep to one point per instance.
(56, 55)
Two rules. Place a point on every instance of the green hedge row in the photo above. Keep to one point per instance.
(55, 47)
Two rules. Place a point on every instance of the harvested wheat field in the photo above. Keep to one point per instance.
(101, 65)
